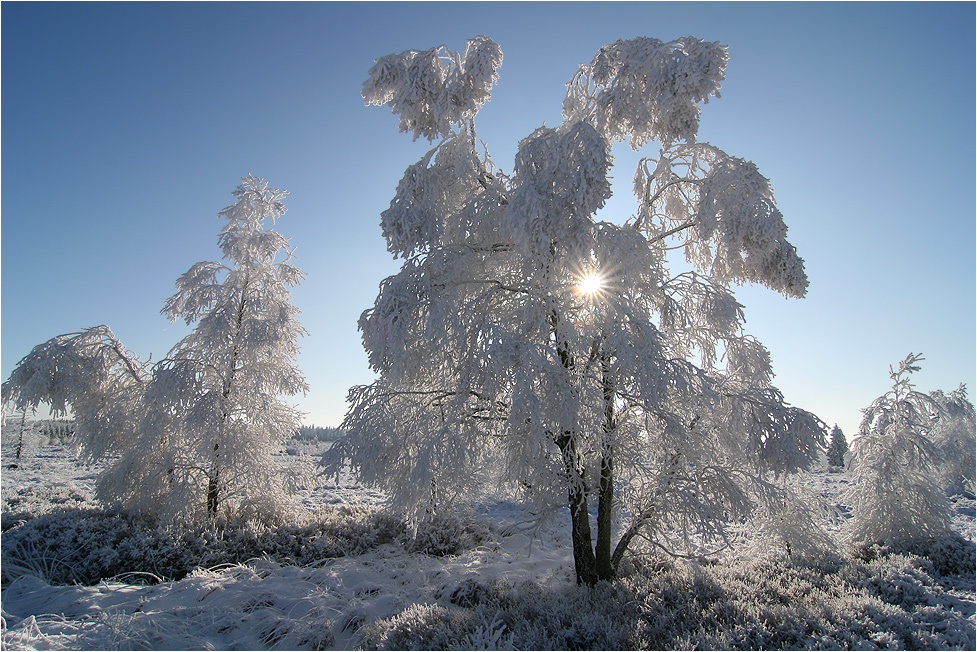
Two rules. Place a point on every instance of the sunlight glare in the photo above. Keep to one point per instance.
(590, 284)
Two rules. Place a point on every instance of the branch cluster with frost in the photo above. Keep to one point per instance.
(437, 88)
(724, 211)
(193, 434)
(642, 89)
(89, 373)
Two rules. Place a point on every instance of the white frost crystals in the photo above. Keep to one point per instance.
(642, 89)
(194, 432)
(494, 367)
(90, 373)
(723, 209)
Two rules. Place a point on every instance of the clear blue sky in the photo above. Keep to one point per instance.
(126, 127)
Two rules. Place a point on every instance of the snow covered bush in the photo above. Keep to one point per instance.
(522, 617)
(895, 496)
(954, 436)
(528, 343)
(25, 503)
(764, 603)
(194, 433)
(86, 546)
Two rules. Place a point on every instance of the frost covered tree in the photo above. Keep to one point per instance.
(526, 342)
(213, 413)
(193, 434)
(895, 496)
(837, 447)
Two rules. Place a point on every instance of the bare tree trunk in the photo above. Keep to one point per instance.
(605, 513)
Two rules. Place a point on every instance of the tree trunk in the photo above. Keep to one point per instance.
(213, 494)
(584, 561)
(605, 499)
(605, 512)
(213, 480)
(20, 442)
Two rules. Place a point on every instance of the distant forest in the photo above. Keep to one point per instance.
(63, 429)
(317, 433)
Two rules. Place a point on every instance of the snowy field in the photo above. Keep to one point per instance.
(348, 575)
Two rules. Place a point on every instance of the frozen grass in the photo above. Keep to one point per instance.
(86, 547)
(78, 577)
(758, 604)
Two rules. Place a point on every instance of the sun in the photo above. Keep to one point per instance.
(590, 284)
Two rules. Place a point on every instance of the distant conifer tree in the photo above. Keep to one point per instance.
(838, 448)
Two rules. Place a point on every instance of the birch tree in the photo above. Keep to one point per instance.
(192, 435)
(214, 415)
(527, 342)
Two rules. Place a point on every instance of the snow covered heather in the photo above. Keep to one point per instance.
(505, 583)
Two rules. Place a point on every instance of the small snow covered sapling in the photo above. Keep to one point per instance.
(895, 496)
(954, 436)
(526, 342)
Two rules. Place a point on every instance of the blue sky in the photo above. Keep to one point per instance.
(126, 127)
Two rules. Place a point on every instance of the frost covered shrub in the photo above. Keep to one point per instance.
(766, 603)
(86, 547)
(948, 555)
(776, 603)
(953, 555)
(446, 535)
(35, 499)
(522, 616)
(420, 627)
(895, 496)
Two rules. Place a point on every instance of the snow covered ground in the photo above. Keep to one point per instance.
(353, 576)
